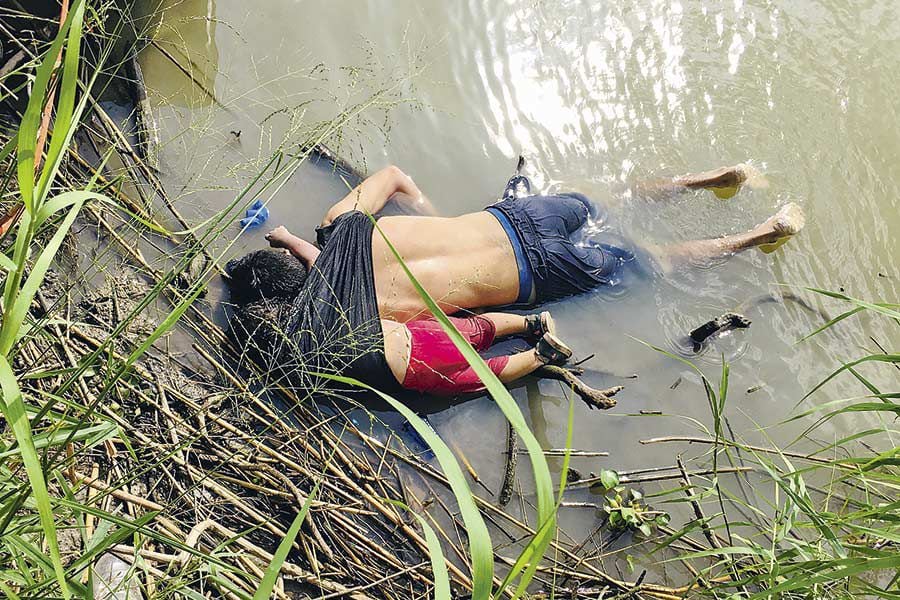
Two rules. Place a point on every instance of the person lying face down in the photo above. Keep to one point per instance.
(519, 251)
(420, 354)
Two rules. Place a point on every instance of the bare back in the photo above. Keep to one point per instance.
(464, 262)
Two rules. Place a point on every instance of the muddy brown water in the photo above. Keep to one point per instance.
(596, 95)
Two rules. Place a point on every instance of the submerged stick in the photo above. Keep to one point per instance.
(146, 131)
(512, 457)
(187, 73)
(594, 398)
(695, 504)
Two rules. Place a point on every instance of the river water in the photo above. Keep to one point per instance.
(596, 95)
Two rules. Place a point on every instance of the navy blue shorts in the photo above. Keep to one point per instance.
(559, 266)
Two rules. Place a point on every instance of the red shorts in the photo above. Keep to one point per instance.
(437, 367)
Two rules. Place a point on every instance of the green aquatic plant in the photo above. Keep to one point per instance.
(822, 527)
(800, 540)
(624, 506)
(480, 545)
(19, 290)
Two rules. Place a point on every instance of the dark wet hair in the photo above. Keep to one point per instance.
(265, 274)
(258, 329)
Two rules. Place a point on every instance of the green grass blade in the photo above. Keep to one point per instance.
(886, 358)
(481, 550)
(887, 309)
(8, 147)
(540, 468)
(6, 262)
(832, 322)
(63, 125)
(8, 591)
(267, 584)
(13, 407)
(828, 571)
(31, 120)
(435, 554)
(20, 255)
(438, 565)
(525, 559)
(15, 316)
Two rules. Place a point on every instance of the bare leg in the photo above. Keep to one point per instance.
(724, 181)
(506, 323)
(519, 366)
(788, 221)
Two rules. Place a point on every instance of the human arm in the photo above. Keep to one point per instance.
(302, 250)
(417, 206)
(374, 192)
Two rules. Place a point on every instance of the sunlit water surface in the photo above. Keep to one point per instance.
(596, 95)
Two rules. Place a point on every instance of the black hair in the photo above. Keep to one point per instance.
(258, 329)
(265, 274)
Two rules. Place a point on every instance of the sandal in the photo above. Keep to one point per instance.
(550, 350)
(537, 325)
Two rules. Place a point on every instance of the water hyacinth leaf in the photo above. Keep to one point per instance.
(13, 407)
(608, 479)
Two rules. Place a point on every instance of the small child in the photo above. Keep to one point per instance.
(420, 355)
(423, 358)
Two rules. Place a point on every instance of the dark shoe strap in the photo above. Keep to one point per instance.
(549, 355)
(534, 327)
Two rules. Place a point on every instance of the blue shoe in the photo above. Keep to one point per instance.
(257, 214)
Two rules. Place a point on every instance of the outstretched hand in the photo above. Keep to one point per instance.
(279, 237)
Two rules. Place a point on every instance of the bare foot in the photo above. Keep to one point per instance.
(782, 225)
(723, 177)
(789, 220)
(724, 182)
(752, 176)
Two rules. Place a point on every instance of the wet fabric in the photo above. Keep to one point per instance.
(560, 267)
(436, 366)
(333, 326)
(526, 279)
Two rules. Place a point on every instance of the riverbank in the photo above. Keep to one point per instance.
(153, 442)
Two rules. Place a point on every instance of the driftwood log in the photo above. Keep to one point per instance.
(594, 398)
(716, 327)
